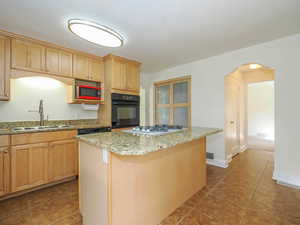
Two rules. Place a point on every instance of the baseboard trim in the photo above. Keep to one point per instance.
(229, 159)
(243, 148)
(286, 180)
(16, 194)
(264, 148)
(216, 162)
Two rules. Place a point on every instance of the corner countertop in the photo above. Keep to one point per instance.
(123, 143)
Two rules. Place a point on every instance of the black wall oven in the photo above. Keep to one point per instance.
(125, 110)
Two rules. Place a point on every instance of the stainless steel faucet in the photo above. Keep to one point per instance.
(41, 112)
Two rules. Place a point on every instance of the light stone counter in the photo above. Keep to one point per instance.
(135, 144)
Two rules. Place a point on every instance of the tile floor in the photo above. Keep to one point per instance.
(243, 194)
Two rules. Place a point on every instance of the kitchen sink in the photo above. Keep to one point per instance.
(22, 129)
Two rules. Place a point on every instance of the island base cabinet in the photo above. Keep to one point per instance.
(63, 159)
(93, 185)
(28, 166)
(138, 189)
(4, 171)
(159, 183)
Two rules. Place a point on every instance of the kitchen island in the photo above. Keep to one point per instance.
(130, 179)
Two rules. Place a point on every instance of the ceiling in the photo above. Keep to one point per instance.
(159, 34)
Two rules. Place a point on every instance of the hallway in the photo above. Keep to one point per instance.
(243, 194)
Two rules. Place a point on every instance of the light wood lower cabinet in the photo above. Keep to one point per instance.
(28, 166)
(37, 159)
(63, 159)
(4, 170)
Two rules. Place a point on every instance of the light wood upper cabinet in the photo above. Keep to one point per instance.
(39, 57)
(87, 68)
(132, 77)
(66, 63)
(4, 170)
(4, 67)
(80, 67)
(96, 70)
(63, 159)
(119, 75)
(20, 53)
(36, 57)
(125, 75)
(52, 60)
(28, 166)
(28, 56)
(59, 62)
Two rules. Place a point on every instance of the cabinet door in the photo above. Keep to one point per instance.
(119, 75)
(81, 67)
(58, 62)
(132, 77)
(4, 68)
(52, 60)
(28, 166)
(4, 171)
(36, 57)
(28, 56)
(66, 63)
(96, 70)
(63, 159)
(20, 58)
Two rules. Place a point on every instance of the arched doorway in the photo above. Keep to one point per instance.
(249, 109)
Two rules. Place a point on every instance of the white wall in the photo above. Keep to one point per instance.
(208, 97)
(26, 94)
(261, 114)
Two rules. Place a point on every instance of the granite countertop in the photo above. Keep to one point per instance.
(6, 128)
(5, 131)
(123, 143)
(9, 131)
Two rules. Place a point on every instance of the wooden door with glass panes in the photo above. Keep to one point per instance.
(173, 102)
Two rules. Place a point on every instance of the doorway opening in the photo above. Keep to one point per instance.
(249, 109)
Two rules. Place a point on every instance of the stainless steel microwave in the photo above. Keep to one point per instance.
(88, 90)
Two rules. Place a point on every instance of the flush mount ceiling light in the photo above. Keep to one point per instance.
(254, 66)
(95, 33)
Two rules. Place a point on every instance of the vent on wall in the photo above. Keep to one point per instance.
(210, 155)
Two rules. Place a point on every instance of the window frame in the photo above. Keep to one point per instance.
(172, 105)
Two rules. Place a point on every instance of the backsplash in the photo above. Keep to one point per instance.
(26, 96)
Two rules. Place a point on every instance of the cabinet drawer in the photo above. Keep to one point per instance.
(31, 138)
(4, 140)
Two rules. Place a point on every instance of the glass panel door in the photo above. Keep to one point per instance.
(181, 116)
(172, 102)
(163, 116)
(163, 94)
(180, 92)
